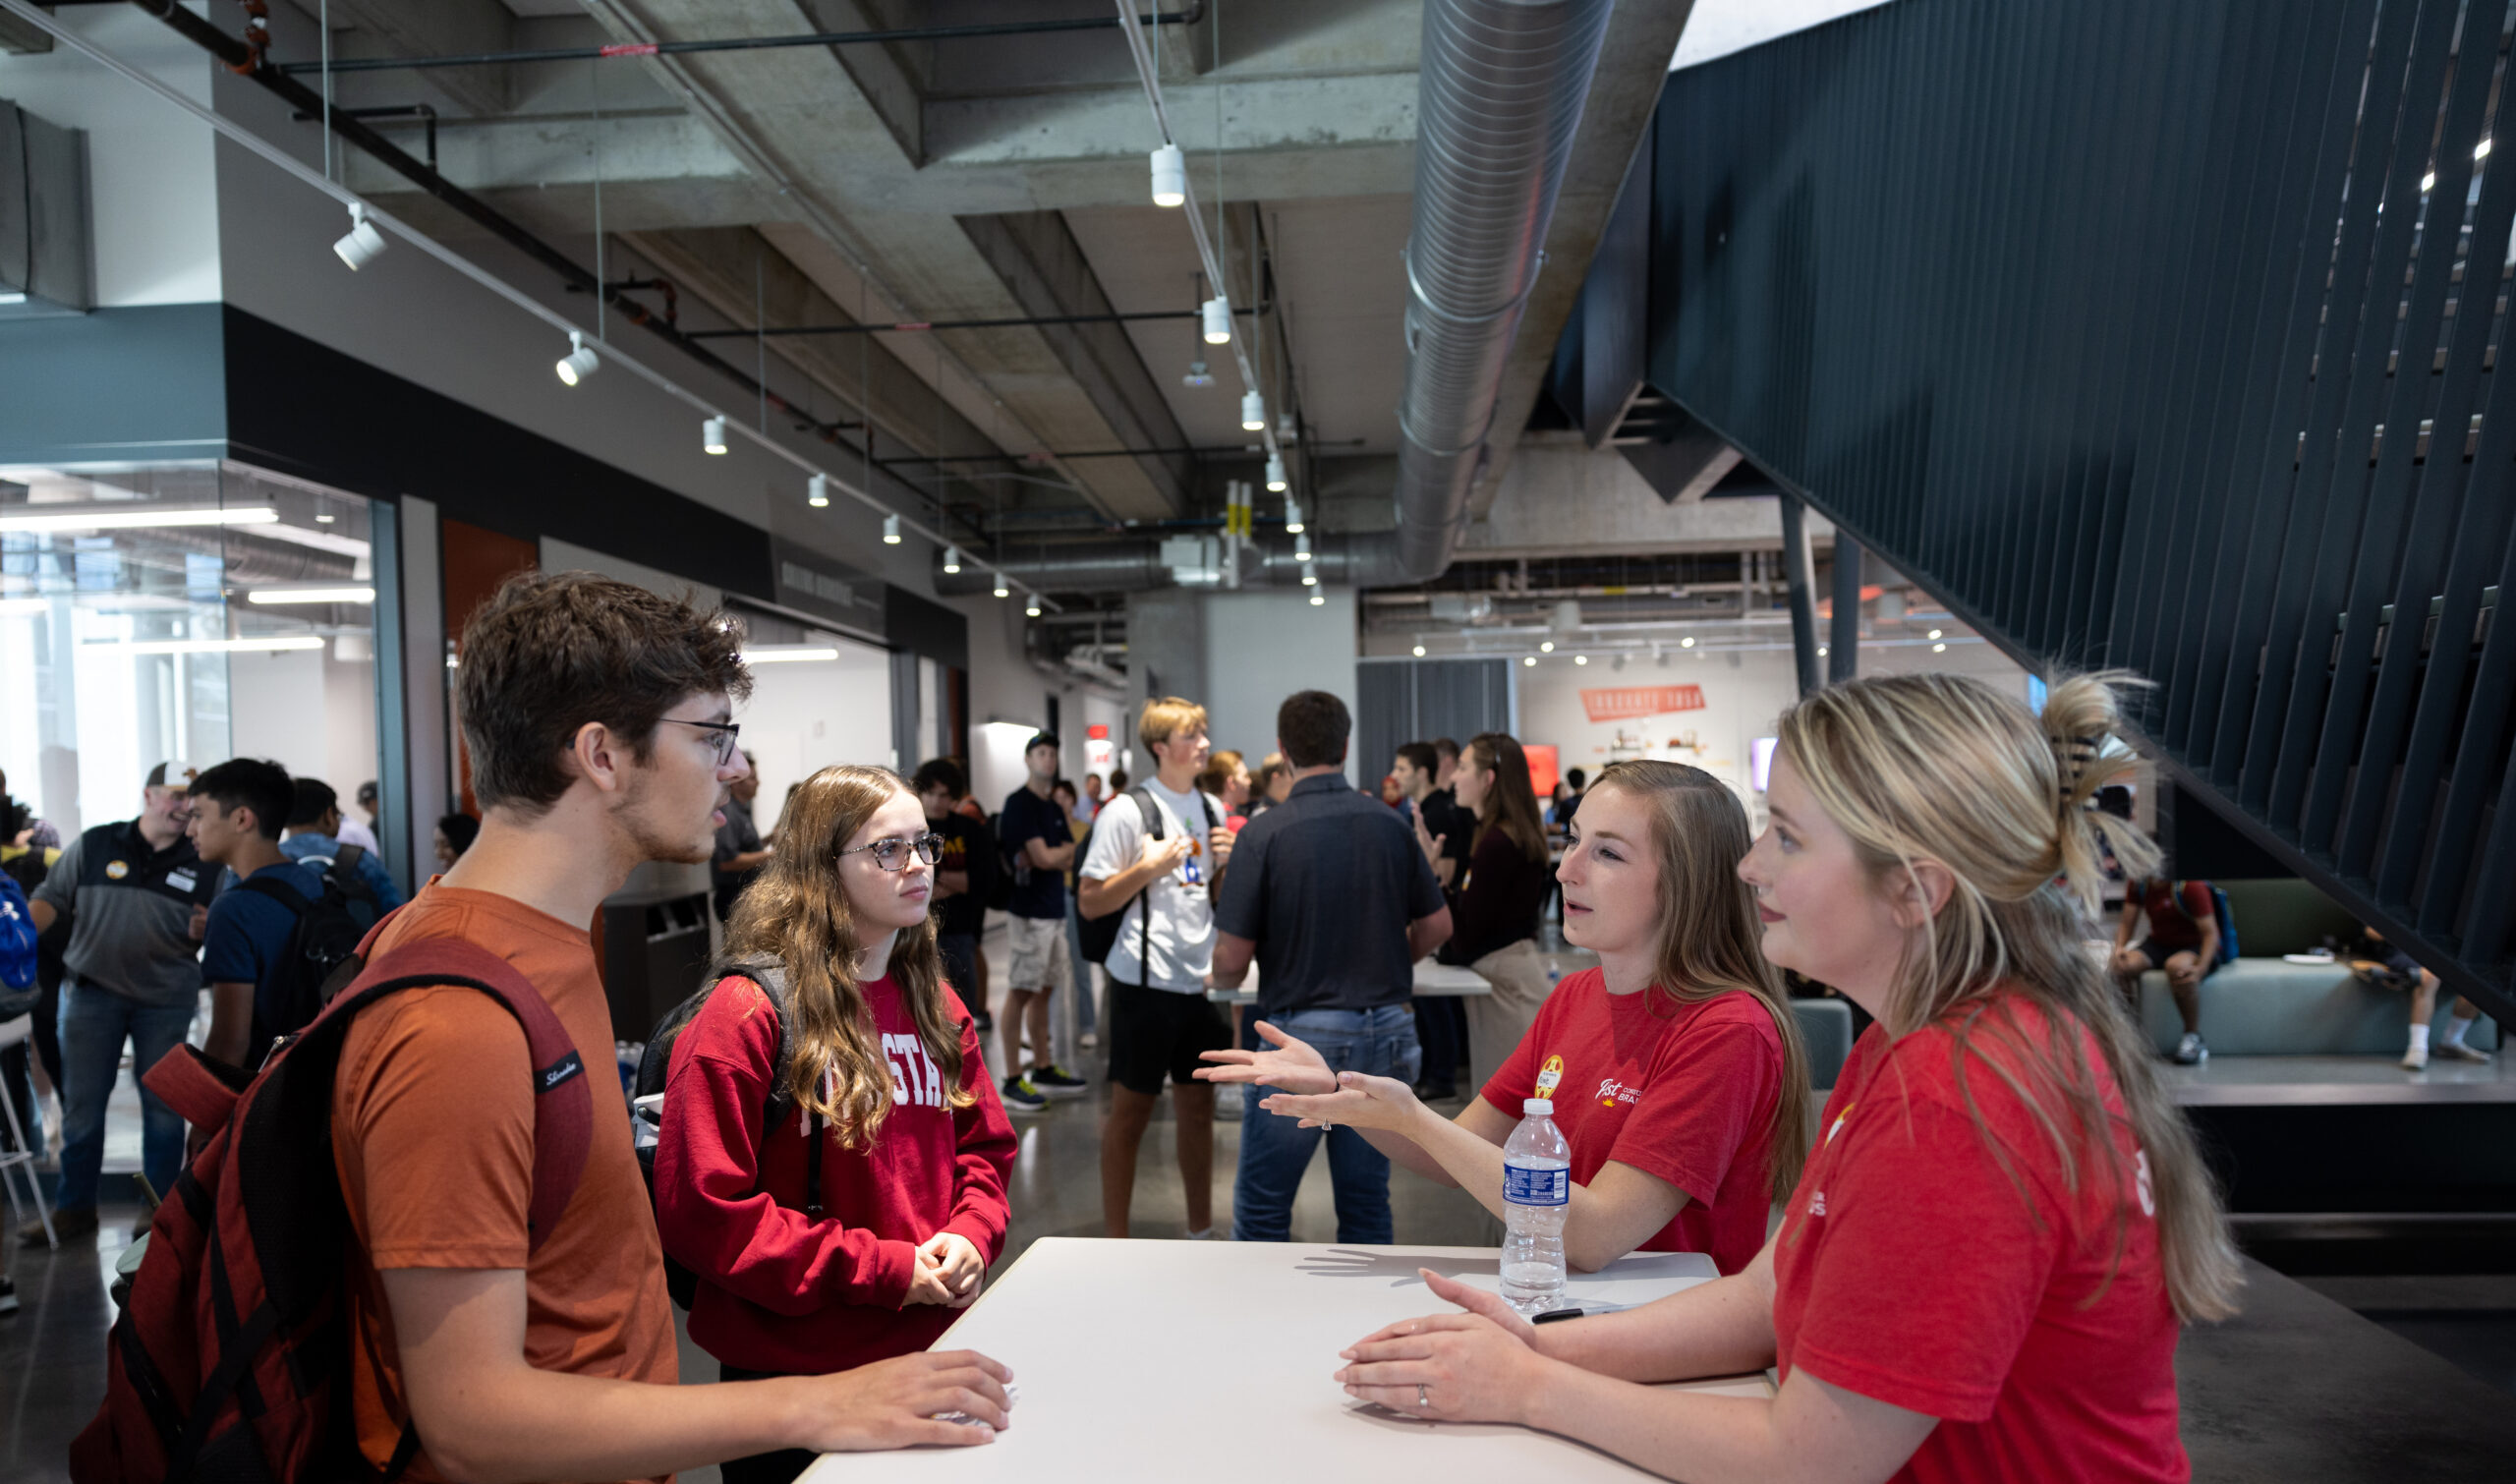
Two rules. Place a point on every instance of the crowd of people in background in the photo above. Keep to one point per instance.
(821, 1173)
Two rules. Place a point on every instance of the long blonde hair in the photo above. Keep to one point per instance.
(1943, 769)
(796, 912)
(1710, 941)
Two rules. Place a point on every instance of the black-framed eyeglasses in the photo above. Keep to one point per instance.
(725, 736)
(893, 854)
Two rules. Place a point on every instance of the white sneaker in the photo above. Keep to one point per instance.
(2414, 1058)
(1088, 1040)
(2190, 1051)
(2456, 1051)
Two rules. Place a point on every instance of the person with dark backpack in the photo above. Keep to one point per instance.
(286, 927)
(831, 1160)
(475, 1316)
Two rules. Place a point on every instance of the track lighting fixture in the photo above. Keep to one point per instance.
(1170, 176)
(1309, 578)
(1002, 590)
(1292, 518)
(1318, 600)
(1218, 317)
(1580, 659)
(891, 531)
(951, 560)
(1546, 646)
(1031, 607)
(1277, 483)
(1253, 412)
(711, 436)
(1687, 643)
(1529, 660)
(363, 244)
(819, 497)
(579, 362)
(1301, 548)
(1420, 652)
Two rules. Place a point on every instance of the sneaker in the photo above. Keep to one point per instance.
(2414, 1058)
(2456, 1051)
(1056, 1082)
(68, 1225)
(2190, 1051)
(1021, 1097)
(1089, 1040)
(8, 1295)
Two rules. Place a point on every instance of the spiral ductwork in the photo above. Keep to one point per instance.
(1503, 85)
(1135, 566)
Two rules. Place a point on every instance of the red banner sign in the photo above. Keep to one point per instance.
(1626, 701)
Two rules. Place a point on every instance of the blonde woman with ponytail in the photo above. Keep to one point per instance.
(850, 1231)
(1986, 1265)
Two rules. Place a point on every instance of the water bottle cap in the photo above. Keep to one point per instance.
(1537, 1108)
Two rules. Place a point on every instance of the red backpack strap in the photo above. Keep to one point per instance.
(563, 1100)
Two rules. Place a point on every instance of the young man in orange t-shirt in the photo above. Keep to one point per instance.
(596, 716)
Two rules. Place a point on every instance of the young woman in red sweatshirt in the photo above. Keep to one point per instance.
(884, 1076)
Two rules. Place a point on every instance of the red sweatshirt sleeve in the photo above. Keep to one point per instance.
(710, 1210)
(985, 1156)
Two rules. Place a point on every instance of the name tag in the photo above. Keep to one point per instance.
(182, 880)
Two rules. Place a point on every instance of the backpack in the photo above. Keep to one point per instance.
(2218, 910)
(329, 929)
(654, 1069)
(1099, 935)
(18, 939)
(232, 1355)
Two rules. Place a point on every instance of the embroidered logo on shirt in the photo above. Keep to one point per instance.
(1611, 1092)
(116, 870)
(1817, 1204)
(1836, 1126)
(1550, 1076)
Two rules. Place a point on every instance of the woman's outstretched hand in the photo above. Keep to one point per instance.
(1479, 1366)
(1360, 1100)
(1291, 1065)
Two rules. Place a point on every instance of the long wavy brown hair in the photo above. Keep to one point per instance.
(796, 912)
(1511, 805)
(1943, 769)
(1710, 939)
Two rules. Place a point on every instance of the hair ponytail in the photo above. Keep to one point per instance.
(2082, 713)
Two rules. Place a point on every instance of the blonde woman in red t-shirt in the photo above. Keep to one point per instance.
(1676, 1066)
(1983, 1271)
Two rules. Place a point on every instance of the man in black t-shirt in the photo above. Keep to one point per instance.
(1039, 843)
(963, 875)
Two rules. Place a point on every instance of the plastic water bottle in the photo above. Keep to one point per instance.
(1537, 1189)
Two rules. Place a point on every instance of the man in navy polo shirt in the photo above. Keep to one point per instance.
(237, 810)
(1330, 892)
(137, 898)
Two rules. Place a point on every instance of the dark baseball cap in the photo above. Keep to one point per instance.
(1043, 739)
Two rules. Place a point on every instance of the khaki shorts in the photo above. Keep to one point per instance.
(1039, 957)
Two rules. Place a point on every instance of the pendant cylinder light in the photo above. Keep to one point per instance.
(1217, 318)
(1170, 176)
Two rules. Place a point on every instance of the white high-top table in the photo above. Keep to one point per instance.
(1432, 980)
(1210, 1361)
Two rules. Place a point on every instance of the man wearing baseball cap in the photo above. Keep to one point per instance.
(137, 897)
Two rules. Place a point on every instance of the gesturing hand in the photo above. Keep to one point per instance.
(1479, 1366)
(1292, 1065)
(1360, 1100)
(957, 1260)
(893, 1403)
(1165, 855)
(1427, 841)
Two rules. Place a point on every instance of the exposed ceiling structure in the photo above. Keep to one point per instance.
(987, 175)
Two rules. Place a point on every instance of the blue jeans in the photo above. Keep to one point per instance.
(94, 1024)
(1274, 1151)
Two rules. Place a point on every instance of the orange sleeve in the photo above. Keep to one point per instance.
(435, 1108)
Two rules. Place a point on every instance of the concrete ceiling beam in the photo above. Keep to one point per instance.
(440, 27)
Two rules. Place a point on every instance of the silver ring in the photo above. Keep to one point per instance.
(1422, 1398)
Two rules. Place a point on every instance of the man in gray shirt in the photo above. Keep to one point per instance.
(137, 898)
(739, 855)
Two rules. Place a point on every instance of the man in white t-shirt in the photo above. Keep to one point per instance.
(1160, 1020)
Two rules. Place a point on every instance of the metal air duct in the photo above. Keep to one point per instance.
(1136, 565)
(1501, 91)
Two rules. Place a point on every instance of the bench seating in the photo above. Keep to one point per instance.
(2271, 1007)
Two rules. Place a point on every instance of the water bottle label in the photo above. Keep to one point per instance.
(1525, 1186)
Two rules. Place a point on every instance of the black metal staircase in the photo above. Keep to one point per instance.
(2156, 334)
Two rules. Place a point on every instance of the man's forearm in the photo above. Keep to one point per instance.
(231, 1023)
(41, 914)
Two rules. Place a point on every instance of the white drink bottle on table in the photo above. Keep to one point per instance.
(1537, 1189)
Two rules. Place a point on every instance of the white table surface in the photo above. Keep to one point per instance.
(1211, 1361)
(1432, 980)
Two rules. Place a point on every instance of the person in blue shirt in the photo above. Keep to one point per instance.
(236, 823)
(314, 833)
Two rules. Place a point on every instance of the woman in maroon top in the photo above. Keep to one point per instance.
(1676, 1066)
(852, 1229)
(1983, 1269)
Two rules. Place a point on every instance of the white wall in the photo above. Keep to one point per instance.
(804, 716)
(1006, 691)
(153, 192)
(1262, 647)
(312, 713)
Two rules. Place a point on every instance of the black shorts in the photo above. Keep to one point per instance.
(2158, 953)
(1158, 1033)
